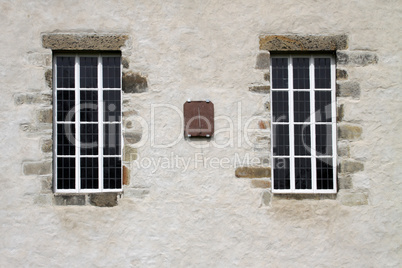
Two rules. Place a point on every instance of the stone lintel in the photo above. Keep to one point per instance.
(277, 43)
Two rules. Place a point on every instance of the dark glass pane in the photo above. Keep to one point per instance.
(112, 172)
(302, 139)
(65, 72)
(322, 72)
(301, 103)
(281, 173)
(88, 106)
(280, 106)
(280, 139)
(65, 105)
(325, 173)
(111, 72)
(112, 138)
(323, 107)
(279, 73)
(301, 73)
(65, 139)
(112, 106)
(89, 139)
(65, 173)
(89, 173)
(323, 139)
(88, 72)
(303, 173)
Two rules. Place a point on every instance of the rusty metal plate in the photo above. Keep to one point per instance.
(198, 119)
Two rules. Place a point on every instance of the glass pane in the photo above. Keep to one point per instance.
(323, 139)
(65, 139)
(279, 73)
(112, 138)
(89, 173)
(112, 107)
(280, 106)
(301, 103)
(322, 72)
(111, 72)
(88, 106)
(281, 173)
(302, 139)
(301, 73)
(88, 72)
(280, 139)
(65, 173)
(112, 172)
(65, 72)
(303, 173)
(325, 173)
(65, 105)
(89, 139)
(323, 107)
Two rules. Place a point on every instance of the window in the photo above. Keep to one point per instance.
(303, 123)
(87, 123)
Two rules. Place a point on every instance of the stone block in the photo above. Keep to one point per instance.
(32, 98)
(343, 149)
(267, 106)
(43, 199)
(46, 184)
(103, 199)
(267, 77)
(45, 115)
(125, 62)
(351, 166)
(266, 197)
(253, 172)
(263, 124)
(303, 42)
(260, 89)
(136, 192)
(340, 113)
(134, 83)
(37, 168)
(348, 89)
(359, 58)
(260, 184)
(344, 182)
(57, 41)
(129, 153)
(69, 200)
(349, 132)
(341, 74)
(49, 78)
(46, 145)
(126, 175)
(132, 137)
(348, 198)
(263, 61)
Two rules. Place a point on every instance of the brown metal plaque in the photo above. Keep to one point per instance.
(198, 119)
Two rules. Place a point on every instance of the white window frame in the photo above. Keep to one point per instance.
(313, 123)
(77, 122)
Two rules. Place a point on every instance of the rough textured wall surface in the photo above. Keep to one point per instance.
(195, 213)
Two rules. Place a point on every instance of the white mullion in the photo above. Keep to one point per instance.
(333, 122)
(54, 91)
(100, 122)
(120, 122)
(291, 125)
(77, 125)
(312, 129)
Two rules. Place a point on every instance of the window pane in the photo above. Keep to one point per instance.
(303, 173)
(89, 139)
(301, 73)
(65, 173)
(280, 139)
(323, 139)
(88, 72)
(111, 72)
(65, 105)
(65, 139)
(302, 139)
(281, 173)
(112, 138)
(65, 72)
(89, 173)
(88, 106)
(279, 73)
(280, 106)
(112, 107)
(301, 103)
(325, 173)
(322, 72)
(112, 172)
(323, 107)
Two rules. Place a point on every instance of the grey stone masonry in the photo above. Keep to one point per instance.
(134, 83)
(69, 200)
(56, 41)
(263, 61)
(260, 89)
(349, 132)
(37, 168)
(348, 89)
(103, 199)
(359, 58)
(351, 166)
(303, 43)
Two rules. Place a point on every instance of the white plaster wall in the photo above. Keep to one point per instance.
(203, 217)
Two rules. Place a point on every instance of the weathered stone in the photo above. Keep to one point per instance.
(263, 61)
(348, 89)
(136, 192)
(129, 153)
(260, 184)
(32, 98)
(129, 113)
(37, 168)
(343, 149)
(45, 115)
(341, 74)
(266, 198)
(303, 43)
(340, 113)
(349, 132)
(126, 175)
(69, 200)
(344, 182)
(46, 183)
(103, 199)
(43, 199)
(267, 106)
(356, 58)
(56, 41)
(263, 124)
(132, 137)
(260, 89)
(267, 77)
(134, 83)
(46, 145)
(30, 128)
(125, 63)
(352, 198)
(49, 78)
(253, 172)
(351, 166)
